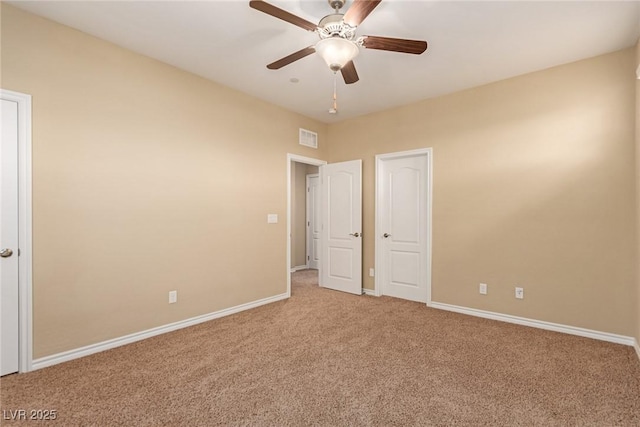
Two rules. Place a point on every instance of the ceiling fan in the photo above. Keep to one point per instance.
(338, 44)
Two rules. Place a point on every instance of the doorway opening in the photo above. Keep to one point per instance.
(298, 223)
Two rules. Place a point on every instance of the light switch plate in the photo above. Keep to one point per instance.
(519, 293)
(272, 218)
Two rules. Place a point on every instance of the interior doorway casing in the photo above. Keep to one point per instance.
(24, 228)
(428, 152)
(290, 159)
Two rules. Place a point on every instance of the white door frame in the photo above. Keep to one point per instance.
(290, 159)
(378, 250)
(309, 233)
(24, 227)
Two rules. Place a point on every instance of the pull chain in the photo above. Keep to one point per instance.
(334, 108)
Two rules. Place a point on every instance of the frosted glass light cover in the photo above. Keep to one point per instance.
(336, 51)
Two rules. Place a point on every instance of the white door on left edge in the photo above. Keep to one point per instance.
(9, 238)
(341, 259)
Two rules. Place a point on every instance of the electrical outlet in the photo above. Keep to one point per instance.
(519, 293)
(372, 272)
(173, 297)
(483, 288)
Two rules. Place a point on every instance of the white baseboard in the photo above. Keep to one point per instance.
(298, 268)
(66, 356)
(572, 330)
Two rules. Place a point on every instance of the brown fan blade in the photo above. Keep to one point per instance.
(349, 73)
(270, 9)
(291, 58)
(395, 45)
(359, 10)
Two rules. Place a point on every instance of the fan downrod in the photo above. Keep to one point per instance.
(336, 4)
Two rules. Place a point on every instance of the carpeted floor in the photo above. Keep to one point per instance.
(328, 358)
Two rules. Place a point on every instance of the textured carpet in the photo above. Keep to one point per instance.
(328, 358)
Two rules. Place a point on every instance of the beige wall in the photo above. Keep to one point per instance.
(533, 185)
(140, 186)
(298, 214)
(297, 209)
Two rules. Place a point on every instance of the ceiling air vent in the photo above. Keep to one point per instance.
(308, 138)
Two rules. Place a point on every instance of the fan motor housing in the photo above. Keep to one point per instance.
(334, 26)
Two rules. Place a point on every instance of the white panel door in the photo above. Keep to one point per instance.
(9, 331)
(341, 259)
(313, 221)
(403, 226)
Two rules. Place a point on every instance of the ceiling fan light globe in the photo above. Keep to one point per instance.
(336, 52)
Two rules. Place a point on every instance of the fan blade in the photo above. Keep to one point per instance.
(359, 10)
(349, 73)
(270, 9)
(395, 45)
(291, 58)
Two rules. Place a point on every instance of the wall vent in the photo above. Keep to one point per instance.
(308, 138)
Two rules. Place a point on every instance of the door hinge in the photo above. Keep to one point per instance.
(307, 257)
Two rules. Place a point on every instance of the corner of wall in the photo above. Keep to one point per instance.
(637, 138)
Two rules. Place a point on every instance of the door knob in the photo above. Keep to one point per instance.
(6, 253)
(356, 234)
(385, 235)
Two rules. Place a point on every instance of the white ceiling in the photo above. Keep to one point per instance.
(470, 43)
